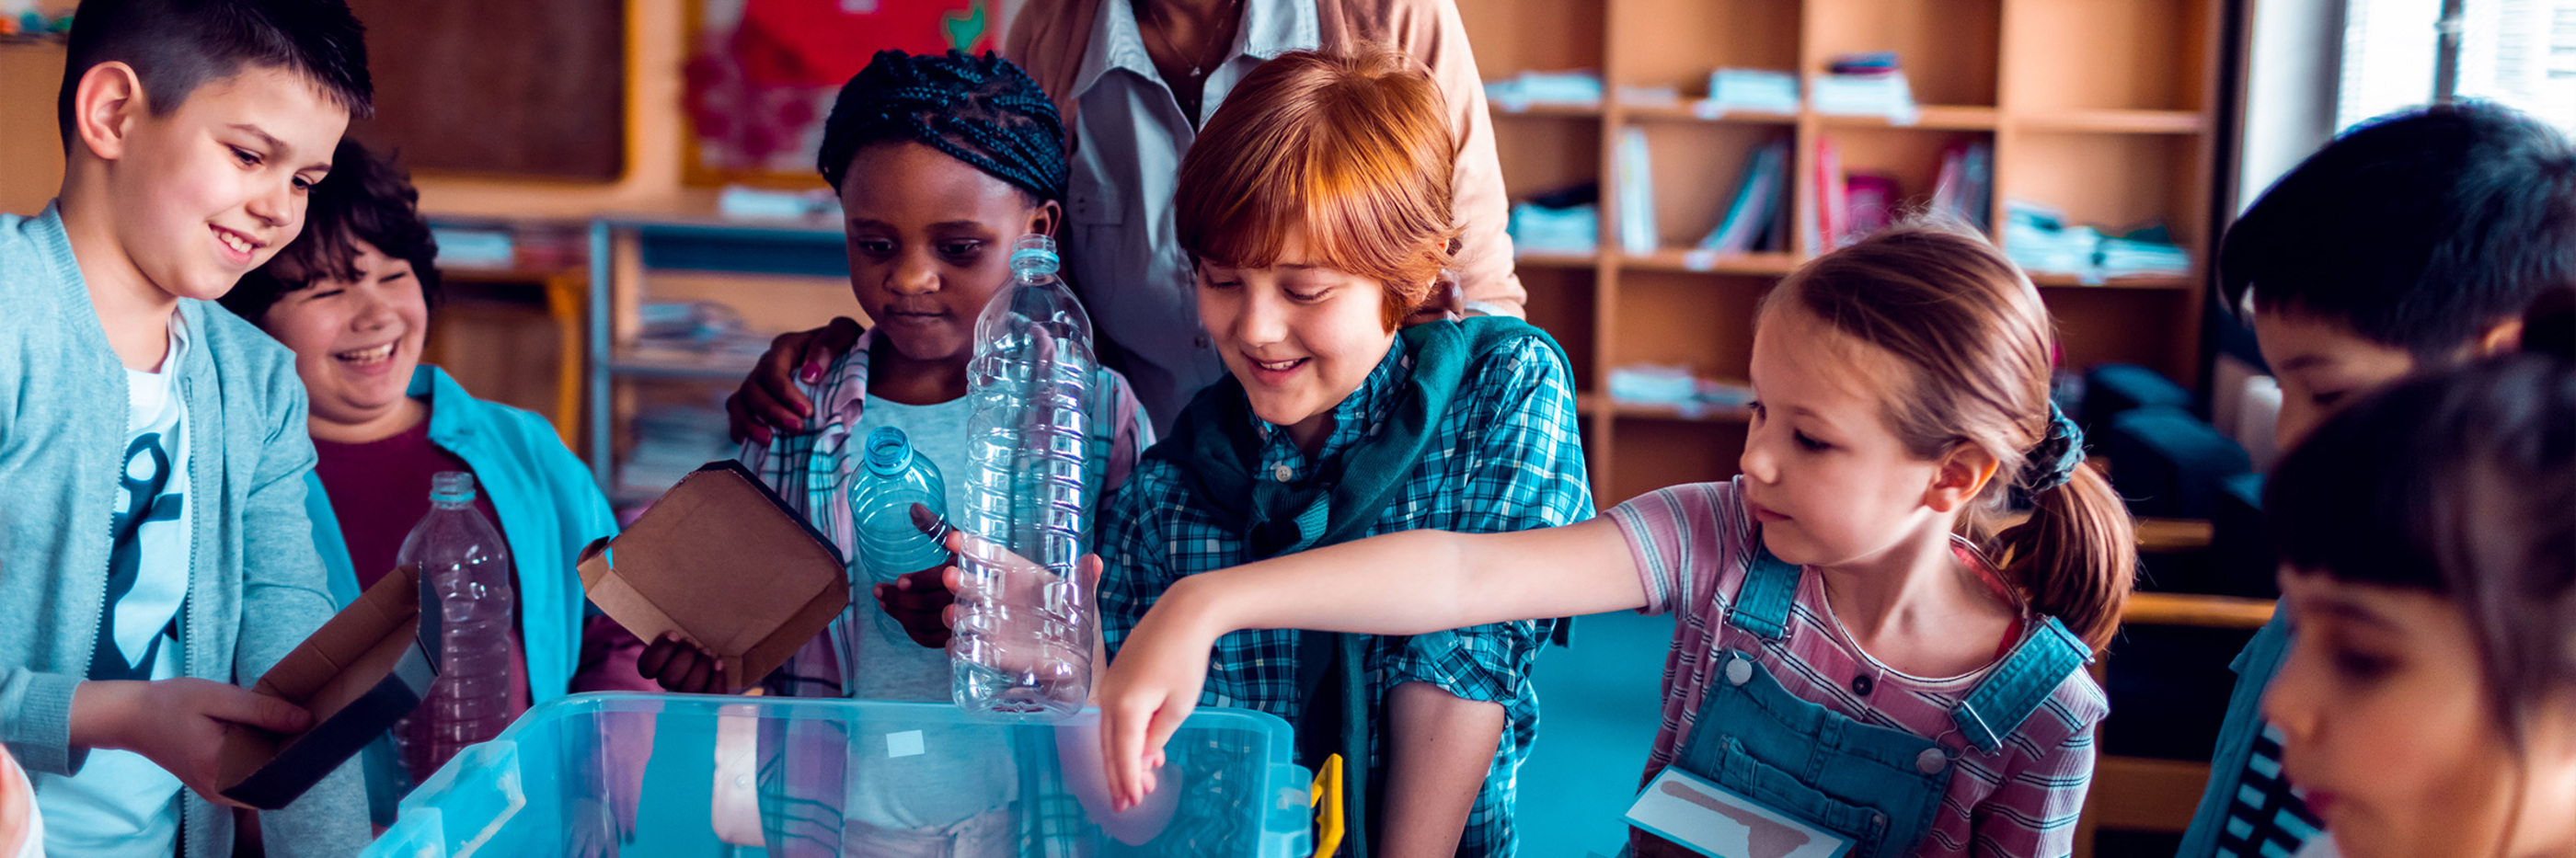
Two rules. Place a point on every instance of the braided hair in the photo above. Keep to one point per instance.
(980, 110)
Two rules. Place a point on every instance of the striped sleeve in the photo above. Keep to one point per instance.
(2033, 812)
(1674, 535)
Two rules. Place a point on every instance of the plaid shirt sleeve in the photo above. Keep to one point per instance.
(1521, 468)
(1523, 471)
(788, 466)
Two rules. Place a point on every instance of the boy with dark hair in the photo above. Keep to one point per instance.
(154, 551)
(2410, 244)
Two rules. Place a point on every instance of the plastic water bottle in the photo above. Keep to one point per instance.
(890, 546)
(1021, 648)
(462, 558)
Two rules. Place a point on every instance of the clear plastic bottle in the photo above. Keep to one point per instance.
(881, 498)
(1021, 648)
(466, 564)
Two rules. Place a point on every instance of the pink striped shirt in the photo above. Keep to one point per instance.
(1693, 545)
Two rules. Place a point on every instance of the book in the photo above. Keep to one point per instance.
(1636, 193)
(1833, 215)
(1966, 186)
(1749, 217)
(1871, 199)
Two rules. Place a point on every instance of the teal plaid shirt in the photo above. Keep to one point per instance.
(1506, 456)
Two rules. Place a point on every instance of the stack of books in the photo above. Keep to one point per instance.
(1867, 84)
(1581, 88)
(2041, 241)
(1753, 90)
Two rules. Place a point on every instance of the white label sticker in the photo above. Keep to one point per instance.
(904, 744)
(1721, 823)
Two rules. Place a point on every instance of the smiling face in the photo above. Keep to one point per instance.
(1300, 337)
(930, 242)
(356, 343)
(1830, 483)
(2387, 730)
(209, 191)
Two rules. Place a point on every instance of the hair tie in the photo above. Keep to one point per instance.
(2051, 462)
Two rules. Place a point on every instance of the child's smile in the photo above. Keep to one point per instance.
(1300, 337)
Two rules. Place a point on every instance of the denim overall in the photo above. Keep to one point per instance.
(1878, 786)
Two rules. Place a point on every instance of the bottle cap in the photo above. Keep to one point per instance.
(451, 487)
(1034, 256)
(888, 451)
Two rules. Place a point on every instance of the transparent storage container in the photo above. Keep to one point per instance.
(701, 775)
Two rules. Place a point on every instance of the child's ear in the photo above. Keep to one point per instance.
(1045, 218)
(104, 106)
(1962, 475)
(2502, 337)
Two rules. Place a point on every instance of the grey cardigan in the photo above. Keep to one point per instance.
(255, 586)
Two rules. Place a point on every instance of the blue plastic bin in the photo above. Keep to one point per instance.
(639, 775)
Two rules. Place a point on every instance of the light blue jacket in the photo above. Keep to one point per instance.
(549, 509)
(255, 587)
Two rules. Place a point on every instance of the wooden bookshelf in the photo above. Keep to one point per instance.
(2098, 108)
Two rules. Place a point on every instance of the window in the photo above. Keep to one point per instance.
(2520, 53)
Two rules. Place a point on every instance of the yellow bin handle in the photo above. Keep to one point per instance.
(1326, 798)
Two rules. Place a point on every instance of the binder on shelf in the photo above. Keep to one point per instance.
(1966, 187)
(1871, 198)
(1832, 211)
(1636, 194)
(1748, 220)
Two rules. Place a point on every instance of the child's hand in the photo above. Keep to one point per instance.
(178, 724)
(682, 666)
(1148, 691)
(768, 398)
(919, 602)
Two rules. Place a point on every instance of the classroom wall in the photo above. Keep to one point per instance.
(31, 151)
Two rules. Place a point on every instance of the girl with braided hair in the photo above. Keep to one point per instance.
(1860, 651)
(941, 162)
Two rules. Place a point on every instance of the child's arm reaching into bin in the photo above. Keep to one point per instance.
(1414, 582)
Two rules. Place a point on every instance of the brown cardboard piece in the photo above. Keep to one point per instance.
(357, 675)
(719, 561)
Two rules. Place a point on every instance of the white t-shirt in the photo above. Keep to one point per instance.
(939, 789)
(121, 805)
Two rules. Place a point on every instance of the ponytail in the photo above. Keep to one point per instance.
(2077, 556)
(1977, 343)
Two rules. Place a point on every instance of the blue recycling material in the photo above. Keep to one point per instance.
(683, 776)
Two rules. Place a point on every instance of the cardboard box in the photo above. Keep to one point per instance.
(721, 562)
(357, 675)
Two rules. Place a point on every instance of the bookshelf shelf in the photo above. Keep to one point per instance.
(1555, 259)
(1932, 117)
(1645, 411)
(1691, 112)
(2109, 121)
(1705, 262)
(1548, 111)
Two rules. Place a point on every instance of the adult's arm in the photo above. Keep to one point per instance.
(1431, 31)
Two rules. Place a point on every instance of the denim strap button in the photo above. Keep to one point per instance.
(1930, 761)
(1282, 472)
(1739, 670)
